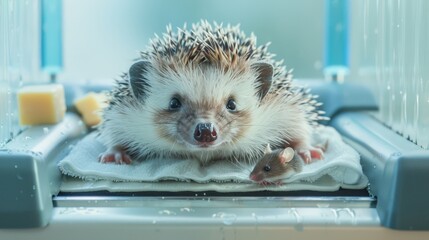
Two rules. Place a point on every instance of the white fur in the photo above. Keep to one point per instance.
(274, 120)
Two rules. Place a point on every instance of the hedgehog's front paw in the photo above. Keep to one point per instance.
(114, 155)
(310, 153)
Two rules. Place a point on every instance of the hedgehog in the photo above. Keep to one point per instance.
(207, 93)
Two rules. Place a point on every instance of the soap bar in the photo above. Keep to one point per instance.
(41, 104)
(90, 107)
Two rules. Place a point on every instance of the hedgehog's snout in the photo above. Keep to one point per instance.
(205, 132)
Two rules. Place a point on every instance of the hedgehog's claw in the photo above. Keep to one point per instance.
(114, 155)
(317, 153)
(266, 183)
(305, 155)
(308, 154)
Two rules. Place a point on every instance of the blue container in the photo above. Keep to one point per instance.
(336, 38)
(51, 36)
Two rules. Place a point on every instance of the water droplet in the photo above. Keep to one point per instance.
(227, 218)
(19, 177)
(323, 205)
(352, 215)
(27, 138)
(166, 212)
(185, 209)
(318, 65)
(396, 154)
(335, 213)
(154, 222)
(299, 226)
(45, 130)
(349, 215)
(34, 187)
(16, 166)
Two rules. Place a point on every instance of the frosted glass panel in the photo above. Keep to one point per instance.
(392, 52)
(19, 63)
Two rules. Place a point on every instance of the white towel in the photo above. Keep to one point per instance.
(339, 168)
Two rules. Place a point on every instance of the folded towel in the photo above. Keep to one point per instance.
(339, 168)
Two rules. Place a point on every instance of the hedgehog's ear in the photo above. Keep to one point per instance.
(265, 75)
(138, 81)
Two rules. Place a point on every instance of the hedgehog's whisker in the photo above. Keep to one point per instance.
(241, 165)
(162, 136)
(172, 146)
(253, 125)
(244, 125)
(151, 124)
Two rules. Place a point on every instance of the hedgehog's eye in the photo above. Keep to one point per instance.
(231, 106)
(267, 168)
(175, 104)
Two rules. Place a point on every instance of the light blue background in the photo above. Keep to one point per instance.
(101, 37)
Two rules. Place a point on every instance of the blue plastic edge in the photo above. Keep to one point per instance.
(26, 200)
(397, 169)
(29, 175)
(402, 203)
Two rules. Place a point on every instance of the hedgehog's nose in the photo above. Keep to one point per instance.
(205, 132)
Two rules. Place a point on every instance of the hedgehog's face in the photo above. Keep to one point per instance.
(205, 124)
(204, 109)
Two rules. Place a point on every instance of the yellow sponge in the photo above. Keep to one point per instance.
(90, 107)
(41, 104)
